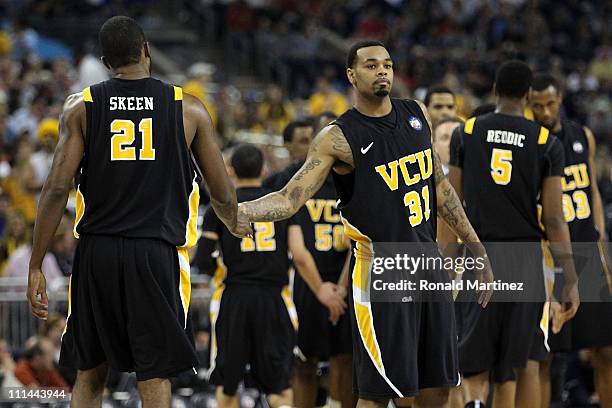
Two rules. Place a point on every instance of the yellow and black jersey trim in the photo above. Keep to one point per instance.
(468, 128)
(543, 136)
(87, 95)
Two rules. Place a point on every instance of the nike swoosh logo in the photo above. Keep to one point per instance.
(364, 150)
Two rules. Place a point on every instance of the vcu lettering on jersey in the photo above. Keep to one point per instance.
(137, 178)
(391, 195)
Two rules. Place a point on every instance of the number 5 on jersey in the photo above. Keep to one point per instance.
(501, 166)
(124, 136)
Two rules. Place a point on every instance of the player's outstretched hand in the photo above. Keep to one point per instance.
(485, 277)
(243, 225)
(570, 301)
(331, 298)
(37, 294)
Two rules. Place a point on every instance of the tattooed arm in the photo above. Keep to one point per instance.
(450, 209)
(329, 147)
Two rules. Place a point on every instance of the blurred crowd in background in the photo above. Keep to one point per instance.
(294, 53)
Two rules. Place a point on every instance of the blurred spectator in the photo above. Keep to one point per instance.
(25, 120)
(441, 138)
(36, 368)
(47, 135)
(24, 39)
(19, 261)
(90, 71)
(440, 102)
(274, 111)
(200, 74)
(327, 99)
(16, 234)
(21, 185)
(7, 367)
(52, 330)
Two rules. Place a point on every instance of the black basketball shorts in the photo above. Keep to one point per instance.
(128, 306)
(252, 326)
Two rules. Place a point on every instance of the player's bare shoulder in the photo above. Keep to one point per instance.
(332, 141)
(73, 111)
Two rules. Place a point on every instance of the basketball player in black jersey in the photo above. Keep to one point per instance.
(501, 163)
(128, 141)
(378, 203)
(252, 316)
(592, 326)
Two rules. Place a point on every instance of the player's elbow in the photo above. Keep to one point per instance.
(55, 189)
(299, 257)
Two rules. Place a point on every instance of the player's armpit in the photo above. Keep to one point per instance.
(327, 148)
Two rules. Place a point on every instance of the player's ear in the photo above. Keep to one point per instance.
(350, 74)
(264, 172)
(230, 171)
(105, 62)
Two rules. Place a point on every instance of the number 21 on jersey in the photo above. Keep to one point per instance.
(123, 131)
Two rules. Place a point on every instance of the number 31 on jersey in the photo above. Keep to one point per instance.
(123, 131)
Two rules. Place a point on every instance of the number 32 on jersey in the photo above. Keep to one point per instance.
(124, 136)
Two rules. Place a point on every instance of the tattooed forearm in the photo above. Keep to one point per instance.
(295, 196)
(308, 166)
(451, 211)
(271, 207)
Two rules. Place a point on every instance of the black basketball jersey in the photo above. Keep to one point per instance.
(577, 198)
(391, 194)
(136, 178)
(505, 159)
(262, 260)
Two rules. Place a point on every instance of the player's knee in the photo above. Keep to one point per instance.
(94, 380)
(306, 368)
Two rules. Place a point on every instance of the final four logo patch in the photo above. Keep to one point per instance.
(578, 147)
(415, 123)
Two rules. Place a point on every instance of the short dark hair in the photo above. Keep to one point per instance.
(440, 89)
(121, 41)
(290, 128)
(542, 81)
(247, 161)
(352, 54)
(483, 109)
(513, 79)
